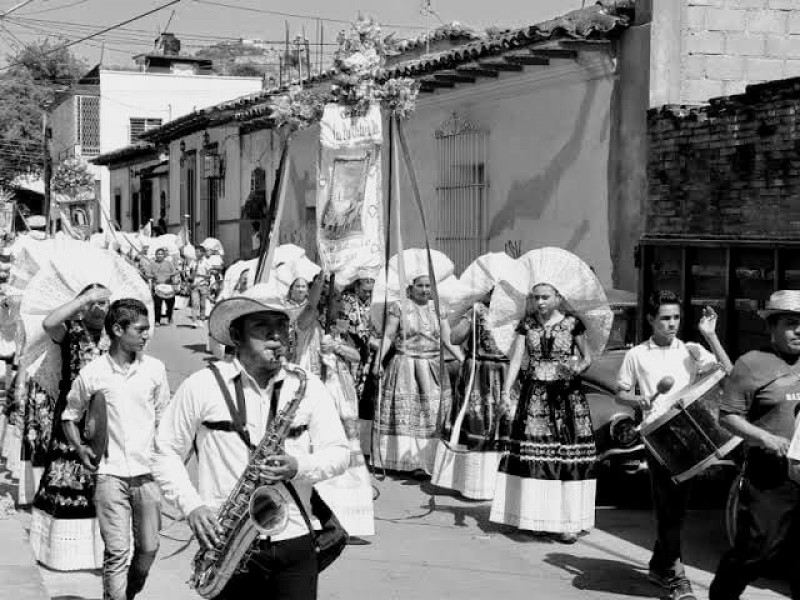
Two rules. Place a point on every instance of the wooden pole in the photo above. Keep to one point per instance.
(48, 173)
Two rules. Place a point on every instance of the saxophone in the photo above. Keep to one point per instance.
(251, 508)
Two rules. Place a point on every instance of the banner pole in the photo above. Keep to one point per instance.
(265, 267)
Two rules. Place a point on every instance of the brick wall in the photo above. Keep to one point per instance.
(729, 169)
(727, 44)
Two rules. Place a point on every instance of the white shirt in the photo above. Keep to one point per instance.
(648, 363)
(321, 450)
(136, 397)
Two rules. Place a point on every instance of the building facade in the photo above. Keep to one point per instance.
(535, 137)
(109, 109)
(702, 49)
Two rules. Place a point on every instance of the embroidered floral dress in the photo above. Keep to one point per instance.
(416, 394)
(63, 525)
(350, 494)
(546, 478)
(485, 428)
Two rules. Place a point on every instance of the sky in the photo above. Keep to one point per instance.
(204, 21)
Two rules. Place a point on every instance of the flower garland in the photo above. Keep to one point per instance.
(358, 66)
(73, 178)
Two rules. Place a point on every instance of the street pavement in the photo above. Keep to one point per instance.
(430, 544)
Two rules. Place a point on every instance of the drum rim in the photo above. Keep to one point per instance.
(702, 465)
(704, 384)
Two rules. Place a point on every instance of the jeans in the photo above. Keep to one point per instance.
(768, 529)
(284, 570)
(157, 304)
(670, 501)
(121, 503)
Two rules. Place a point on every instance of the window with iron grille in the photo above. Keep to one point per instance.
(461, 190)
(87, 124)
(140, 124)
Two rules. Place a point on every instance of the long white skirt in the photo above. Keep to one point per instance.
(544, 505)
(66, 544)
(472, 474)
(350, 494)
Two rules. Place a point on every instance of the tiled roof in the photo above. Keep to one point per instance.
(510, 50)
(136, 150)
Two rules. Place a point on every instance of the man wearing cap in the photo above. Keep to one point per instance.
(257, 324)
(761, 397)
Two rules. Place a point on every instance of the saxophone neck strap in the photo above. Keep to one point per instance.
(302, 508)
(238, 414)
(239, 411)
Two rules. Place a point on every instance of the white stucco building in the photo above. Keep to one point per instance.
(110, 109)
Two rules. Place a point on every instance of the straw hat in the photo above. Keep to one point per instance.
(572, 278)
(781, 302)
(270, 296)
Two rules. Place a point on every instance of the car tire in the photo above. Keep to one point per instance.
(732, 509)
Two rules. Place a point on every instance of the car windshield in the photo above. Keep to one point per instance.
(623, 329)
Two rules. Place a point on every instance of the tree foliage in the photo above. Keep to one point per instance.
(35, 73)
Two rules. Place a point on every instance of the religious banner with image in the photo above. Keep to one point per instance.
(349, 202)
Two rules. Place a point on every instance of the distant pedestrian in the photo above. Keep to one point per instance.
(164, 280)
(135, 390)
(200, 279)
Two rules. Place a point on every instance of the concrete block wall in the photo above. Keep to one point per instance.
(728, 169)
(728, 44)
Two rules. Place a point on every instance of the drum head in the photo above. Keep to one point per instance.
(702, 386)
(95, 430)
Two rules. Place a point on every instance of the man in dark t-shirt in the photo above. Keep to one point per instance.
(761, 397)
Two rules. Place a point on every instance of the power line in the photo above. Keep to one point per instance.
(101, 32)
(294, 15)
(144, 32)
(62, 6)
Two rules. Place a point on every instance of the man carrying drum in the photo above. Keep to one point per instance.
(762, 396)
(663, 358)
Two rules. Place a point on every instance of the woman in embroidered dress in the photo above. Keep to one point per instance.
(306, 331)
(471, 468)
(354, 308)
(349, 495)
(546, 480)
(416, 395)
(64, 534)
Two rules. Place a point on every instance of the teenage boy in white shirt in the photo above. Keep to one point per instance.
(644, 366)
(135, 390)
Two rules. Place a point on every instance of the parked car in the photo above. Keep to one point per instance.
(619, 446)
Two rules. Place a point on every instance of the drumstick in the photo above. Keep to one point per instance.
(662, 387)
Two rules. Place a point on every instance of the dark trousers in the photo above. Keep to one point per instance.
(157, 303)
(768, 529)
(284, 570)
(670, 501)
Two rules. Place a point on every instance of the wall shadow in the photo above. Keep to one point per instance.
(529, 198)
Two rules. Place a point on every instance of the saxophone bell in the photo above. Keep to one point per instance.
(268, 510)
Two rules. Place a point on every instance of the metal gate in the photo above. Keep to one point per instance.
(461, 191)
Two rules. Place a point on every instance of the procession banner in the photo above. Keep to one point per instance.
(349, 203)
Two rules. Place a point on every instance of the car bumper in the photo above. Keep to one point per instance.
(629, 461)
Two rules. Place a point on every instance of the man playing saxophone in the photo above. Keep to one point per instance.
(261, 389)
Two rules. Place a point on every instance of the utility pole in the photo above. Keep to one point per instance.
(48, 172)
